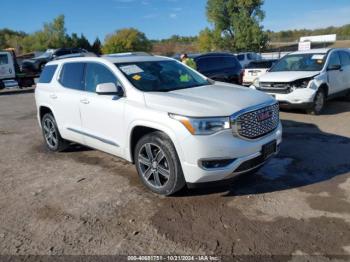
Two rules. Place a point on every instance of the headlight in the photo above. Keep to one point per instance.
(203, 126)
(301, 83)
(256, 82)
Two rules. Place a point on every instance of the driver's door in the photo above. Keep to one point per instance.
(334, 76)
(102, 115)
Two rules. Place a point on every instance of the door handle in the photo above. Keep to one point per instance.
(84, 101)
(53, 96)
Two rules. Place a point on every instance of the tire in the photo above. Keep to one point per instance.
(2, 85)
(318, 104)
(52, 137)
(158, 165)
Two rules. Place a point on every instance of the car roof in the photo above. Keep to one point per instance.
(114, 59)
(214, 54)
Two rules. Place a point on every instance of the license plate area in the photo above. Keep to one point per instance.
(269, 149)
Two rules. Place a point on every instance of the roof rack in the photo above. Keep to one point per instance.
(76, 55)
(128, 54)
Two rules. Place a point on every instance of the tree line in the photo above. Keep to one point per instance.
(236, 25)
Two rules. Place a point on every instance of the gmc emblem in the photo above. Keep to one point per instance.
(264, 116)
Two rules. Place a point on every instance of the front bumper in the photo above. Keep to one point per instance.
(223, 145)
(298, 98)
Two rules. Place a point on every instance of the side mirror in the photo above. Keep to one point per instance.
(334, 67)
(109, 89)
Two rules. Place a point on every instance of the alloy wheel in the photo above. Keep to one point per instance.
(50, 133)
(154, 165)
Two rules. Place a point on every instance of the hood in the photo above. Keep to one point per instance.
(219, 99)
(286, 77)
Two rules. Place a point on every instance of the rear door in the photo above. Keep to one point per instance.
(335, 81)
(66, 99)
(7, 69)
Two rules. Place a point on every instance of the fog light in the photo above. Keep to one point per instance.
(216, 163)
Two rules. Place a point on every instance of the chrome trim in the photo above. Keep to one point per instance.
(234, 125)
(106, 141)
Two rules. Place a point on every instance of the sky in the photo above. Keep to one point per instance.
(160, 19)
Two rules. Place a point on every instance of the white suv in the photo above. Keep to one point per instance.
(175, 124)
(305, 79)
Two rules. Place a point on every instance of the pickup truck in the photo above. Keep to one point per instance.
(10, 74)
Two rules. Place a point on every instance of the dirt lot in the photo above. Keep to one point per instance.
(87, 202)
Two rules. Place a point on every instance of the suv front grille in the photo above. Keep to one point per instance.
(257, 123)
(280, 88)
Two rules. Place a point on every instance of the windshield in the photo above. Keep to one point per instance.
(48, 53)
(161, 76)
(300, 62)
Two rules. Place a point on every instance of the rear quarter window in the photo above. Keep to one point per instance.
(47, 74)
(72, 75)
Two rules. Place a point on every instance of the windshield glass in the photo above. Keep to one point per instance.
(161, 76)
(300, 62)
(48, 53)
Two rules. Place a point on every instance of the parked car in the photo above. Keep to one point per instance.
(245, 58)
(222, 67)
(36, 64)
(255, 69)
(306, 79)
(175, 124)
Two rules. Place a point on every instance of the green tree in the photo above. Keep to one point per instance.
(239, 23)
(97, 46)
(205, 41)
(126, 40)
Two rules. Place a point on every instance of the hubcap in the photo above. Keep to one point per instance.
(153, 165)
(50, 133)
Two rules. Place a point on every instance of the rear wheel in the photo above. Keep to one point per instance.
(158, 165)
(53, 140)
(318, 104)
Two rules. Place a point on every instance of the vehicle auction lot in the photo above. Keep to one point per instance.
(87, 202)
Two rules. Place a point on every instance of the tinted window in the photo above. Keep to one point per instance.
(62, 52)
(217, 63)
(334, 59)
(345, 58)
(72, 75)
(240, 57)
(261, 64)
(47, 74)
(4, 59)
(98, 74)
(250, 56)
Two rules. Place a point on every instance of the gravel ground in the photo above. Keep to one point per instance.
(85, 202)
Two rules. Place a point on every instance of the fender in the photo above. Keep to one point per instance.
(146, 123)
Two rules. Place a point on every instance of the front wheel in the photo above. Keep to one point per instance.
(54, 141)
(158, 165)
(318, 104)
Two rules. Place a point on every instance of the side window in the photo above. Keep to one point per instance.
(98, 74)
(4, 59)
(72, 75)
(345, 58)
(334, 59)
(47, 74)
(251, 56)
(240, 57)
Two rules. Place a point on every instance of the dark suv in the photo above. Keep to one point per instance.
(222, 67)
(36, 64)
